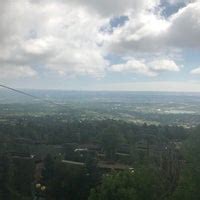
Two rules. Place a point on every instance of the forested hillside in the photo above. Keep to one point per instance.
(53, 159)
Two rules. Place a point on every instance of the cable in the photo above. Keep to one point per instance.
(29, 95)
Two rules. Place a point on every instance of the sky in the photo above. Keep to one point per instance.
(126, 45)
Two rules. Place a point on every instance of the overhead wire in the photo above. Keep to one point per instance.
(28, 94)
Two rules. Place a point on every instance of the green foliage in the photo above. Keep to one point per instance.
(16, 177)
(138, 146)
(116, 186)
(23, 176)
(189, 183)
(5, 177)
(142, 184)
(64, 181)
(110, 141)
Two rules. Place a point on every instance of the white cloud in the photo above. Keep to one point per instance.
(150, 32)
(133, 66)
(180, 1)
(38, 46)
(164, 65)
(184, 30)
(195, 71)
(141, 34)
(152, 68)
(14, 72)
(52, 35)
(108, 8)
(64, 36)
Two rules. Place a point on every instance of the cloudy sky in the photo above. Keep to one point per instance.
(149, 45)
